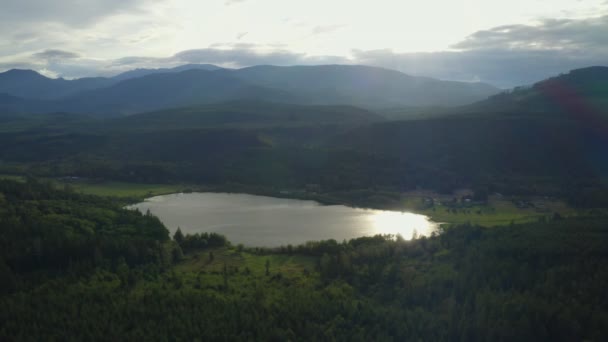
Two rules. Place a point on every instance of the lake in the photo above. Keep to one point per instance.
(262, 221)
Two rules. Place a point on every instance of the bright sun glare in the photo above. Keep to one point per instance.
(404, 224)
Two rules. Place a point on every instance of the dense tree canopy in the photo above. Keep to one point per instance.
(81, 267)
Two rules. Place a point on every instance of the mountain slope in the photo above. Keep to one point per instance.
(365, 86)
(29, 84)
(168, 90)
(554, 132)
(10, 104)
(145, 72)
(154, 89)
(579, 92)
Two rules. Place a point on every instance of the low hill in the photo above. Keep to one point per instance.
(246, 114)
(10, 105)
(579, 92)
(473, 147)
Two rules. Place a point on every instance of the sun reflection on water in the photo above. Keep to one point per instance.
(404, 224)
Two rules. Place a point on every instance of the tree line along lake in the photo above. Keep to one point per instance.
(260, 221)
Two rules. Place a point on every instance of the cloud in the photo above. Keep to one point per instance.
(55, 55)
(232, 55)
(240, 55)
(509, 55)
(505, 56)
(136, 61)
(77, 13)
(233, 2)
(549, 34)
(56, 63)
(503, 68)
(323, 29)
(237, 46)
(97, 26)
(18, 65)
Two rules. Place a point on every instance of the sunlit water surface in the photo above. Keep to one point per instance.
(267, 221)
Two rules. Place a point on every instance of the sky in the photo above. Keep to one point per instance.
(505, 43)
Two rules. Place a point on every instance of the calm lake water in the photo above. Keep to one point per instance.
(267, 221)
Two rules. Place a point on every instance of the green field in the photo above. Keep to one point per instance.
(209, 268)
(120, 189)
(111, 189)
(12, 177)
(496, 212)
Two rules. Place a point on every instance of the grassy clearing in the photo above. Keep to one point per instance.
(233, 271)
(498, 211)
(120, 189)
(110, 189)
(244, 261)
(12, 177)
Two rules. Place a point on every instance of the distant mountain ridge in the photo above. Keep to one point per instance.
(155, 89)
(145, 72)
(365, 86)
(169, 90)
(31, 85)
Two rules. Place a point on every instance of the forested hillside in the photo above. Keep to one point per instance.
(546, 140)
(47, 232)
(79, 267)
(336, 148)
(580, 94)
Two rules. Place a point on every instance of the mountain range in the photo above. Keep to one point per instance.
(140, 90)
(542, 139)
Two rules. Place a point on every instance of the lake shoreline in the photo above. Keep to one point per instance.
(266, 221)
(497, 212)
(327, 198)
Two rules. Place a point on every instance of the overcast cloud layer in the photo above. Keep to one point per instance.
(72, 38)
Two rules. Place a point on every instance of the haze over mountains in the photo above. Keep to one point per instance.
(259, 134)
(154, 89)
(555, 129)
